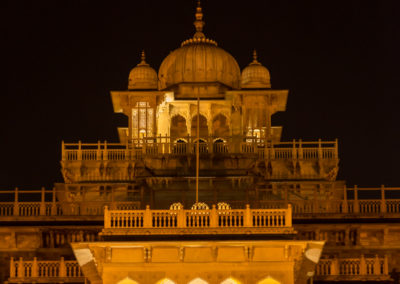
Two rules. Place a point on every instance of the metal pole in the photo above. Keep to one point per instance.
(198, 148)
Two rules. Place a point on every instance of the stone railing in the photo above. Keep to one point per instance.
(355, 207)
(195, 218)
(56, 208)
(208, 145)
(375, 268)
(49, 271)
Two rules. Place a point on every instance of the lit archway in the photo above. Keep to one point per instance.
(127, 280)
(231, 280)
(269, 280)
(165, 281)
(198, 281)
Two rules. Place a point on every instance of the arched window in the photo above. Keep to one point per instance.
(142, 120)
(203, 146)
(179, 147)
(220, 146)
(203, 126)
(178, 127)
(198, 281)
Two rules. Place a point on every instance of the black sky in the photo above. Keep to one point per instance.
(337, 58)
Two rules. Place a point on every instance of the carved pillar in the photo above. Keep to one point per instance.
(356, 204)
(16, 204)
(363, 267)
(107, 220)
(288, 217)
(53, 203)
(385, 265)
(377, 265)
(335, 266)
(20, 272)
(12, 268)
(147, 222)
(247, 217)
(345, 206)
(42, 202)
(383, 201)
(34, 268)
(62, 271)
(214, 217)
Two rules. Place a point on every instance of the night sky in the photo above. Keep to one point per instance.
(337, 58)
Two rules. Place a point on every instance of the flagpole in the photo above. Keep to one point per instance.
(198, 149)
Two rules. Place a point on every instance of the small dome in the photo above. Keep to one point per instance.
(255, 75)
(143, 76)
(199, 60)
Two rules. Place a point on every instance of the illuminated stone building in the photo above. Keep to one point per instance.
(267, 207)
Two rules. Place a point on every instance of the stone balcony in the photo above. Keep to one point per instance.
(214, 221)
(48, 206)
(229, 156)
(45, 271)
(334, 269)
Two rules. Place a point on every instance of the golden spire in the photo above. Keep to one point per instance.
(143, 59)
(199, 23)
(255, 61)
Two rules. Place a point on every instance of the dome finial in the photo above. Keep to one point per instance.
(254, 55)
(199, 23)
(143, 59)
(255, 61)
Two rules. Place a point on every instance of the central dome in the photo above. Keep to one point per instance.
(199, 60)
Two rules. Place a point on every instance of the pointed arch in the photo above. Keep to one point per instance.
(127, 280)
(268, 280)
(178, 126)
(231, 280)
(198, 281)
(203, 126)
(165, 281)
(220, 126)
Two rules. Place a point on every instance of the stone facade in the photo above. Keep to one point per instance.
(242, 163)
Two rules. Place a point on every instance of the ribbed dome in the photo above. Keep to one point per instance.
(143, 76)
(199, 60)
(255, 75)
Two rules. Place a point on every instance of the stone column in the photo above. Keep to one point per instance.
(34, 268)
(16, 204)
(356, 204)
(43, 202)
(383, 201)
(363, 268)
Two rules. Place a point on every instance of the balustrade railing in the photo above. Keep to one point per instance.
(209, 218)
(384, 206)
(352, 267)
(44, 269)
(167, 145)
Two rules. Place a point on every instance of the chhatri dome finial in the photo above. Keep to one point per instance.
(255, 61)
(199, 23)
(143, 59)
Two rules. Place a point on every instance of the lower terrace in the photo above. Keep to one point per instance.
(208, 145)
(363, 268)
(19, 205)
